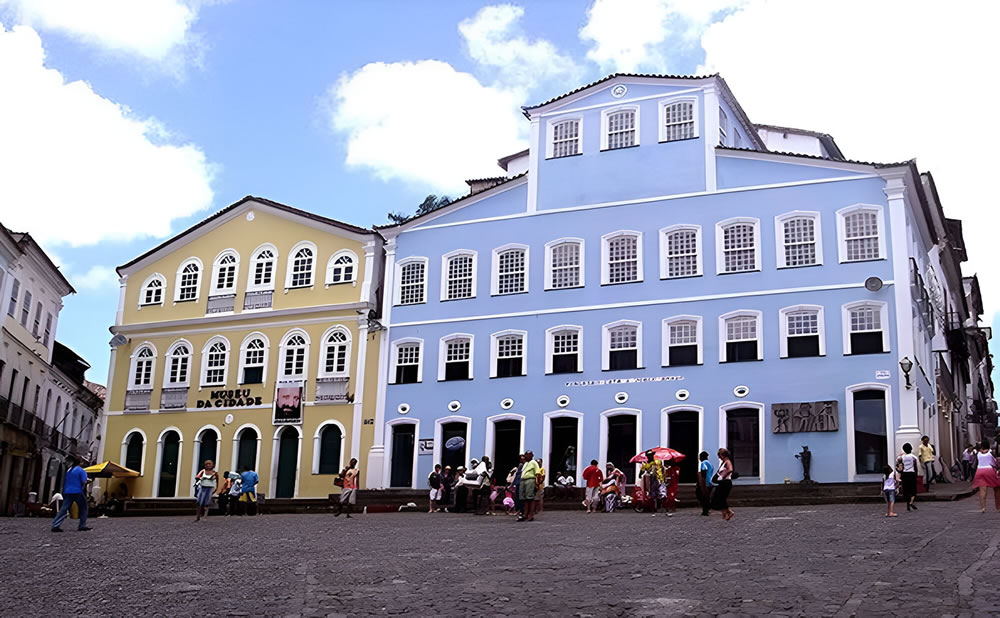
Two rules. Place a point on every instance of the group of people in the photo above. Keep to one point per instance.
(236, 492)
(475, 489)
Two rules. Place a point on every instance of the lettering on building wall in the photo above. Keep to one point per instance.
(802, 417)
(233, 398)
(624, 381)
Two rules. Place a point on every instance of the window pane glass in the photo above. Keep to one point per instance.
(621, 129)
(870, 447)
(800, 242)
(738, 248)
(566, 265)
(682, 253)
(623, 259)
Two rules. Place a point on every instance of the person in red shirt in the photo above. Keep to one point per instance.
(593, 477)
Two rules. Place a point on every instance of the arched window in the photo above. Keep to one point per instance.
(336, 352)
(178, 364)
(622, 346)
(620, 128)
(300, 266)
(740, 337)
(799, 239)
(215, 362)
(455, 358)
(564, 263)
(682, 341)
(680, 251)
(564, 138)
(330, 443)
(262, 269)
(564, 349)
(678, 121)
(342, 268)
(864, 325)
(224, 272)
(510, 270)
(142, 367)
(133, 451)
(152, 290)
(254, 357)
(188, 280)
(293, 355)
(860, 233)
(737, 245)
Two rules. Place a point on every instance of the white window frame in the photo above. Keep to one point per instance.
(606, 256)
(394, 356)
(720, 253)
(243, 348)
(495, 268)
(330, 266)
(723, 127)
(168, 361)
(495, 349)
(663, 258)
(549, 246)
(549, 347)
(783, 326)
(145, 285)
(283, 346)
(442, 352)
(254, 259)
(134, 361)
(397, 292)
(605, 114)
(665, 334)
(197, 287)
(291, 262)
(845, 316)
(204, 361)
(323, 347)
(217, 265)
(741, 313)
(550, 134)
(606, 343)
(779, 237)
(842, 230)
(444, 272)
(662, 118)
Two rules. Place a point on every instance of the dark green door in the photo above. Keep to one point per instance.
(288, 456)
(168, 465)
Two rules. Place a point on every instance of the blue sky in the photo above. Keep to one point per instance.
(141, 118)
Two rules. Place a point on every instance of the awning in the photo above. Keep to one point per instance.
(110, 469)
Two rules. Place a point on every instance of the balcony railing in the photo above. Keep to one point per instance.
(173, 398)
(333, 390)
(223, 303)
(137, 400)
(258, 300)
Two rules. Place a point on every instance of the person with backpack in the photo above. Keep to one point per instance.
(703, 491)
(434, 483)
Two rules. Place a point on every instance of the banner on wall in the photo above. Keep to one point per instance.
(288, 396)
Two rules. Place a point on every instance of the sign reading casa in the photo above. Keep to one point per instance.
(233, 398)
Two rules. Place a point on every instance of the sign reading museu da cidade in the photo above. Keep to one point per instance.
(232, 398)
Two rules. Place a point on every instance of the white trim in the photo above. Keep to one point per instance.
(603, 441)
(720, 253)
(779, 236)
(442, 352)
(124, 449)
(439, 433)
(387, 465)
(394, 356)
(606, 257)
(783, 326)
(605, 113)
(741, 313)
(662, 257)
(330, 266)
(494, 349)
(444, 272)
(236, 445)
(606, 343)
(490, 446)
(547, 439)
(213, 284)
(760, 155)
(197, 288)
(243, 348)
(324, 344)
(550, 126)
(531, 180)
(710, 101)
(612, 84)
(665, 337)
(272, 488)
(289, 263)
(852, 471)
(254, 258)
(661, 107)
(549, 332)
(845, 317)
(665, 424)
(495, 268)
(168, 359)
(548, 262)
(842, 231)
(204, 361)
(242, 321)
(133, 361)
(317, 437)
(397, 288)
(283, 346)
(145, 284)
(761, 419)
(159, 461)
(196, 451)
(642, 303)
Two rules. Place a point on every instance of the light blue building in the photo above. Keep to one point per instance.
(657, 270)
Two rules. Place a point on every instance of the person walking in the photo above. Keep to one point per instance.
(927, 459)
(703, 491)
(529, 486)
(909, 474)
(225, 484)
(248, 490)
(890, 480)
(447, 489)
(348, 495)
(592, 477)
(434, 482)
(205, 483)
(73, 486)
(540, 494)
(969, 463)
(987, 475)
(724, 482)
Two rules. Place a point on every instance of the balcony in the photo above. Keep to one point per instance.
(173, 398)
(258, 300)
(223, 303)
(138, 400)
(333, 390)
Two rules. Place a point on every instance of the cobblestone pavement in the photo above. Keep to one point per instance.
(813, 561)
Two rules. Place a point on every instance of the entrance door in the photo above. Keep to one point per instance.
(871, 451)
(506, 447)
(682, 432)
(168, 465)
(209, 449)
(288, 457)
(403, 443)
(743, 440)
(621, 443)
(562, 447)
(246, 454)
(456, 455)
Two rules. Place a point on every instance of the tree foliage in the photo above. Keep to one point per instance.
(431, 203)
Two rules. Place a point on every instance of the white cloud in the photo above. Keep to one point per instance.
(633, 35)
(96, 278)
(493, 41)
(425, 122)
(896, 81)
(79, 169)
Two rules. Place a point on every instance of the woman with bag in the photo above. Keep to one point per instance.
(724, 485)
(987, 475)
(205, 482)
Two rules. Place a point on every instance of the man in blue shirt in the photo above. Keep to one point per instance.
(248, 494)
(76, 480)
(704, 489)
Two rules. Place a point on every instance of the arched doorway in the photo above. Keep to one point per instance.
(622, 440)
(404, 437)
(455, 450)
(743, 440)
(507, 446)
(133, 452)
(246, 450)
(170, 445)
(563, 447)
(683, 436)
(208, 449)
(288, 461)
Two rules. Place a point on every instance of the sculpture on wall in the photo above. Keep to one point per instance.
(802, 417)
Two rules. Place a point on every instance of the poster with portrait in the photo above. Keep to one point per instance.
(288, 395)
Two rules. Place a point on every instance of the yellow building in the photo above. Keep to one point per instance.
(213, 323)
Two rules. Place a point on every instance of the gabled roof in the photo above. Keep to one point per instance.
(505, 161)
(613, 76)
(825, 138)
(25, 241)
(347, 227)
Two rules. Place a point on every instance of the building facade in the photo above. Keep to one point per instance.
(657, 270)
(245, 340)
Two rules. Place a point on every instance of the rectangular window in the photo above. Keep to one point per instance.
(14, 289)
(678, 121)
(683, 343)
(510, 272)
(621, 129)
(623, 348)
(566, 138)
(861, 236)
(623, 259)
(26, 308)
(565, 351)
(800, 242)
(741, 339)
(723, 127)
(460, 274)
(803, 334)
(510, 356)
(682, 253)
(48, 329)
(38, 320)
(566, 265)
(189, 283)
(178, 369)
(739, 248)
(457, 359)
(295, 361)
(407, 363)
(411, 283)
(263, 269)
(866, 330)
(336, 358)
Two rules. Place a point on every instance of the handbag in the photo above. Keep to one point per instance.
(339, 482)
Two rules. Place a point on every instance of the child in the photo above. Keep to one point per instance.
(890, 480)
(508, 500)
(493, 497)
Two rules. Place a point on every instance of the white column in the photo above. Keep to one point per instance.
(710, 119)
(359, 387)
(533, 166)
(376, 456)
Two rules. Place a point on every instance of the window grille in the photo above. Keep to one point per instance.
(14, 289)
(143, 375)
(411, 283)
(215, 364)
(741, 339)
(189, 283)
(566, 265)
(861, 236)
(566, 138)
(623, 347)
(342, 270)
(621, 129)
(723, 127)
(510, 275)
(263, 268)
(253, 362)
(678, 121)
(565, 351)
(26, 308)
(295, 356)
(682, 253)
(407, 363)
(738, 248)
(179, 360)
(623, 259)
(800, 242)
(153, 294)
(225, 278)
(510, 356)
(460, 275)
(336, 353)
(302, 267)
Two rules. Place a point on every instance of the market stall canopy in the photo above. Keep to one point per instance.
(110, 469)
(662, 453)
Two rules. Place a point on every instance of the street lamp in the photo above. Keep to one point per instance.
(906, 365)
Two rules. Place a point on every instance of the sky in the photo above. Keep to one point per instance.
(127, 121)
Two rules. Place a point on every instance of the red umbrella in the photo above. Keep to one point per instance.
(662, 453)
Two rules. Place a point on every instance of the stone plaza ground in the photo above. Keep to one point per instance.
(837, 560)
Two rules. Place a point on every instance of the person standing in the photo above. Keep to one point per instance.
(703, 491)
(434, 482)
(655, 478)
(205, 483)
(927, 459)
(724, 477)
(889, 485)
(540, 494)
(969, 463)
(910, 465)
(248, 490)
(348, 495)
(987, 475)
(518, 503)
(592, 477)
(73, 485)
(529, 486)
(673, 476)
(447, 489)
(225, 484)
